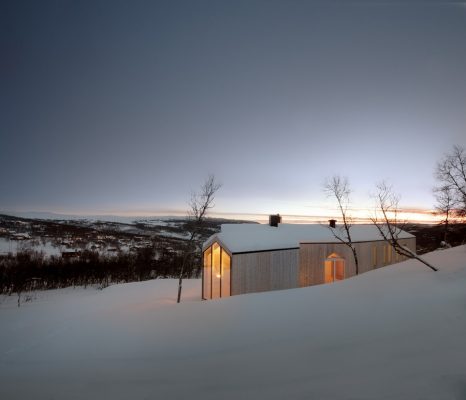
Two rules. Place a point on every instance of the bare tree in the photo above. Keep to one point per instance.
(199, 205)
(446, 202)
(451, 173)
(339, 188)
(386, 220)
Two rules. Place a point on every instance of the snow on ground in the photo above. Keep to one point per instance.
(395, 333)
(179, 235)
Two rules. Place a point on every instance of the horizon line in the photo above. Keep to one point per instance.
(408, 214)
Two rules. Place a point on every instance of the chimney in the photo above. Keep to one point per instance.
(332, 223)
(274, 220)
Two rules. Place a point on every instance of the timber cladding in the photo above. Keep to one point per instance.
(264, 258)
(371, 255)
(312, 257)
(264, 271)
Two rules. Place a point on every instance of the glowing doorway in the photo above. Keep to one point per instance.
(334, 268)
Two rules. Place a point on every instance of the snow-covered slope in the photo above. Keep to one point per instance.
(397, 332)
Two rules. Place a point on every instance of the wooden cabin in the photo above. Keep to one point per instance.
(248, 258)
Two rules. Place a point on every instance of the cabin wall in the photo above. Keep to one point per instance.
(264, 271)
(371, 255)
(312, 257)
(286, 269)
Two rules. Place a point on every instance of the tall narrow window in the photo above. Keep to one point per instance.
(226, 263)
(207, 293)
(216, 272)
(334, 268)
(374, 255)
(387, 254)
(398, 256)
(216, 275)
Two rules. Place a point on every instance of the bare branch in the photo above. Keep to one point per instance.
(339, 188)
(446, 203)
(200, 203)
(203, 200)
(385, 219)
(451, 174)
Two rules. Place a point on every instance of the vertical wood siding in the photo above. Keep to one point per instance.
(286, 269)
(264, 271)
(312, 257)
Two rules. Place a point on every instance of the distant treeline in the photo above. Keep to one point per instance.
(31, 270)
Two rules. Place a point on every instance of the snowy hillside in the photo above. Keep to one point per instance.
(397, 332)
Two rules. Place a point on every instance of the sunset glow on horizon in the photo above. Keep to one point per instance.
(132, 105)
(321, 215)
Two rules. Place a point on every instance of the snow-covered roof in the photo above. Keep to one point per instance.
(239, 238)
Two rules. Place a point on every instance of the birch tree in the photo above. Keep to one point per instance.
(445, 206)
(338, 187)
(386, 220)
(199, 205)
(451, 174)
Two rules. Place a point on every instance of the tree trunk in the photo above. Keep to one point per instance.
(356, 262)
(445, 234)
(180, 285)
(183, 266)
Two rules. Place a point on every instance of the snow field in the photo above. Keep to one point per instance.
(396, 332)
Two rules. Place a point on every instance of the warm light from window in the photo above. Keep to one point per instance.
(216, 273)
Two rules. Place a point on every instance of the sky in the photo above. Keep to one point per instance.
(125, 107)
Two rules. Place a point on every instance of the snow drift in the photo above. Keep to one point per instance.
(396, 332)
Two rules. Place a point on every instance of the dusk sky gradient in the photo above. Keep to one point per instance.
(126, 106)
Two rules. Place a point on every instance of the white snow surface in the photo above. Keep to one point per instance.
(258, 237)
(398, 332)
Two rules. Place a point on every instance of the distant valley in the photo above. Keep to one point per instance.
(44, 253)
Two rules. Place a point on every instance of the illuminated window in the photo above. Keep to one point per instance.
(334, 268)
(398, 256)
(387, 254)
(226, 263)
(207, 280)
(374, 255)
(216, 272)
(216, 251)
